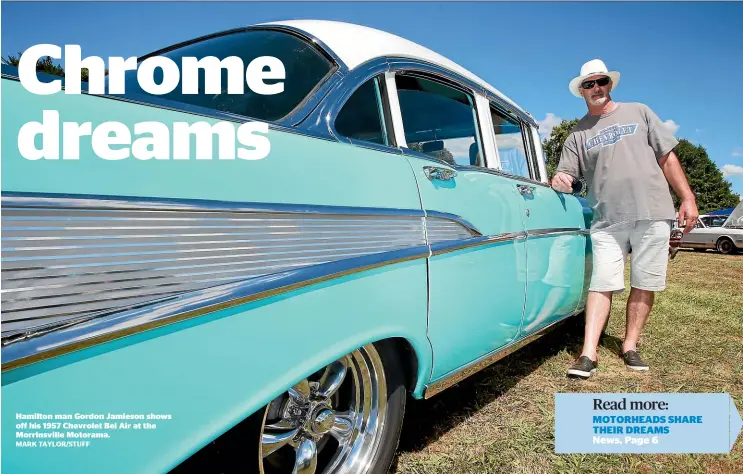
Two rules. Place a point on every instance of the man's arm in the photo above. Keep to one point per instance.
(675, 176)
(568, 168)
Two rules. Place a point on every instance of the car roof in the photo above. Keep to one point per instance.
(356, 44)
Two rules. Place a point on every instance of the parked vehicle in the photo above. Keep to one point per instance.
(725, 238)
(399, 237)
(713, 221)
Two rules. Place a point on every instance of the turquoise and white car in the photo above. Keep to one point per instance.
(399, 237)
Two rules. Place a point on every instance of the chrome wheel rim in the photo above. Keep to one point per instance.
(330, 422)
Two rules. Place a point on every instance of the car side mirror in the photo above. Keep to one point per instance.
(432, 146)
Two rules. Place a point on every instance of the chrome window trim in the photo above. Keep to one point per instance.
(539, 155)
(327, 112)
(398, 64)
(342, 67)
(448, 83)
(490, 150)
(160, 103)
(296, 116)
(395, 111)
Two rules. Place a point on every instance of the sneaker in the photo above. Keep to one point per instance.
(632, 360)
(583, 368)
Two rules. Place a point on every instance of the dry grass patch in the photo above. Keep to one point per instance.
(501, 420)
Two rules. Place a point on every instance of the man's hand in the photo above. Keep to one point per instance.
(688, 213)
(675, 176)
(562, 182)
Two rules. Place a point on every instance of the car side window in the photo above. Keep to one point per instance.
(361, 117)
(510, 141)
(439, 120)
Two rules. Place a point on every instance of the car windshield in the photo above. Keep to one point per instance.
(736, 217)
(305, 67)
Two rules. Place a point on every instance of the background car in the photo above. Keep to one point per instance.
(400, 236)
(727, 237)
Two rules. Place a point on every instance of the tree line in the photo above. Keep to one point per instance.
(46, 65)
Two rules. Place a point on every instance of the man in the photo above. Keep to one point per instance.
(625, 154)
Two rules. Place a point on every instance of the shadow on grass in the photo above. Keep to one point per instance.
(427, 420)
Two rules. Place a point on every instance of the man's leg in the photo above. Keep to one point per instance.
(650, 240)
(639, 304)
(598, 307)
(609, 253)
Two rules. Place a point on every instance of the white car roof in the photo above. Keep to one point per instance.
(357, 44)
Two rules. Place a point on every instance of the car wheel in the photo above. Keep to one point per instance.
(725, 246)
(345, 418)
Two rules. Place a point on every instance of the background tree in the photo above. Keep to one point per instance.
(705, 178)
(444, 154)
(47, 66)
(553, 144)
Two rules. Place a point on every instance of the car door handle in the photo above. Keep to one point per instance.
(441, 174)
(525, 189)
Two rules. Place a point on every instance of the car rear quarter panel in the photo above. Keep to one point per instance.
(211, 372)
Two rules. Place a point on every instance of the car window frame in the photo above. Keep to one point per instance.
(529, 152)
(447, 82)
(300, 111)
(384, 113)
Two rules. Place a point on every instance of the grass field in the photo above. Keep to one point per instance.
(502, 419)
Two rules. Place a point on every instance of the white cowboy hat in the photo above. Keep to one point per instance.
(592, 68)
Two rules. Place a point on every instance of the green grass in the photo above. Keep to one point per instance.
(502, 419)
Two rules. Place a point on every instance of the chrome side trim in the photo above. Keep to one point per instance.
(441, 248)
(72, 257)
(556, 231)
(81, 334)
(488, 359)
(95, 201)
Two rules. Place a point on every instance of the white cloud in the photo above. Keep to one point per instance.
(738, 152)
(729, 171)
(699, 130)
(550, 121)
(672, 126)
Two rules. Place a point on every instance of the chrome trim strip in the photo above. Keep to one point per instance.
(441, 248)
(556, 231)
(67, 257)
(488, 359)
(400, 64)
(307, 36)
(93, 330)
(91, 201)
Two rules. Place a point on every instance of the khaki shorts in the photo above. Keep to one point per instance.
(648, 241)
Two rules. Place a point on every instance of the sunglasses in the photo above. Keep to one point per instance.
(601, 82)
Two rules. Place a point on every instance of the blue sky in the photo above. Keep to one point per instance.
(685, 60)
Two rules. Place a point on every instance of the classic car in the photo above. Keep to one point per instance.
(274, 315)
(709, 233)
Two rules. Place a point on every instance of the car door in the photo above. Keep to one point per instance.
(476, 284)
(698, 237)
(554, 223)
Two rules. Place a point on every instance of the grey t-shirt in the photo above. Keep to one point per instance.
(617, 154)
